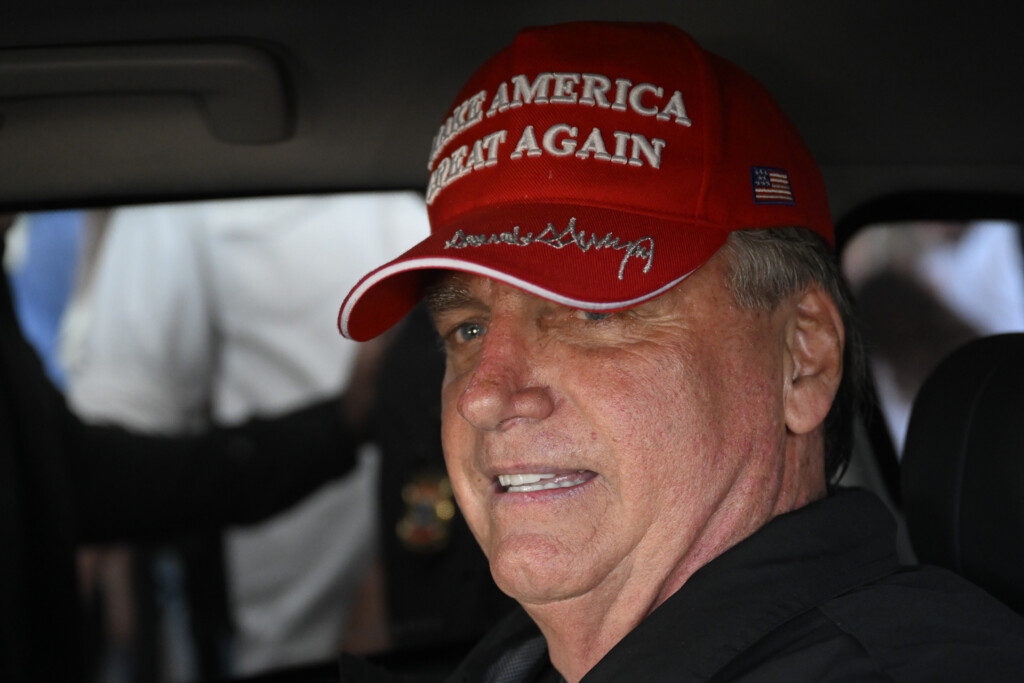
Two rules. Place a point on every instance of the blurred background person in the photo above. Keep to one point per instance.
(212, 313)
(65, 484)
(923, 289)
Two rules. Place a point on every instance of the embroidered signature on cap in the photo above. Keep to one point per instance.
(642, 248)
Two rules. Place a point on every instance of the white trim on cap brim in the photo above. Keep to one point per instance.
(436, 263)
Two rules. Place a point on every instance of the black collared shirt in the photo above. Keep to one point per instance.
(815, 595)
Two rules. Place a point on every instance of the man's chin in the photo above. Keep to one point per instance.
(535, 570)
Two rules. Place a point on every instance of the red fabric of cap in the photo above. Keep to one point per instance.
(597, 165)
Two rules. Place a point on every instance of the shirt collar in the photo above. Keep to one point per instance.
(795, 562)
(792, 564)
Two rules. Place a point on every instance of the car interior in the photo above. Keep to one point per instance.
(912, 112)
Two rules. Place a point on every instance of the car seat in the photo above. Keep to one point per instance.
(963, 466)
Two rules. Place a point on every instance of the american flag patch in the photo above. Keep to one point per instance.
(771, 185)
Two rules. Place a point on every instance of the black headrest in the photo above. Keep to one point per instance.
(963, 466)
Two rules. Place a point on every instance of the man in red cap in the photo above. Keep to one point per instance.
(645, 400)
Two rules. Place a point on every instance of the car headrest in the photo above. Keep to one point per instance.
(963, 466)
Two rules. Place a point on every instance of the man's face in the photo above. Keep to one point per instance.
(598, 452)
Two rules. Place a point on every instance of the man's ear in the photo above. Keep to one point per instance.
(814, 341)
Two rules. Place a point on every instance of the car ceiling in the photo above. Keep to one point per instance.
(890, 96)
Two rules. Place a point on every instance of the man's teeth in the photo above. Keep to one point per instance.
(525, 483)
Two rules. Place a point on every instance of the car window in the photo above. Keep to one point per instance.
(169, 318)
(220, 264)
(925, 287)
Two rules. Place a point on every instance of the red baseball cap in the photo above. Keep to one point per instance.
(597, 165)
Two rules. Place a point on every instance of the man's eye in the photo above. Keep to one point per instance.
(593, 315)
(467, 332)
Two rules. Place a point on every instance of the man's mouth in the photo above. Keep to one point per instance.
(526, 483)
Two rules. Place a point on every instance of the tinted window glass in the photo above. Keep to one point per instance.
(924, 288)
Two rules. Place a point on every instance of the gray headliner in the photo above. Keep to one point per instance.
(891, 96)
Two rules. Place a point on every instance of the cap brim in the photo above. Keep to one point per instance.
(596, 259)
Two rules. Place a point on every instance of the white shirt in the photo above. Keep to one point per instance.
(224, 311)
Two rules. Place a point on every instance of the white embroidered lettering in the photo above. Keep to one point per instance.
(641, 249)
(636, 98)
(491, 144)
(675, 107)
(527, 144)
(568, 145)
(595, 90)
(621, 93)
(594, 144)
(458, 168)
(525, 92)
(562, 91)
(621, 138)
(651, 149)
(500, 101)
(476, 158)
(437, 179)
(462, 162)
(630, 149)
(463, 117)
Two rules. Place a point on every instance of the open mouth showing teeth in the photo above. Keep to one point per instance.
(525, 483)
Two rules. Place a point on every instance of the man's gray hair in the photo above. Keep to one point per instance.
(769, 265)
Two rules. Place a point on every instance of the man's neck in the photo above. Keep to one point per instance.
(580, 631)
(578, 634)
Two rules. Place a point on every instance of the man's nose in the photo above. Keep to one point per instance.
(502, 389)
